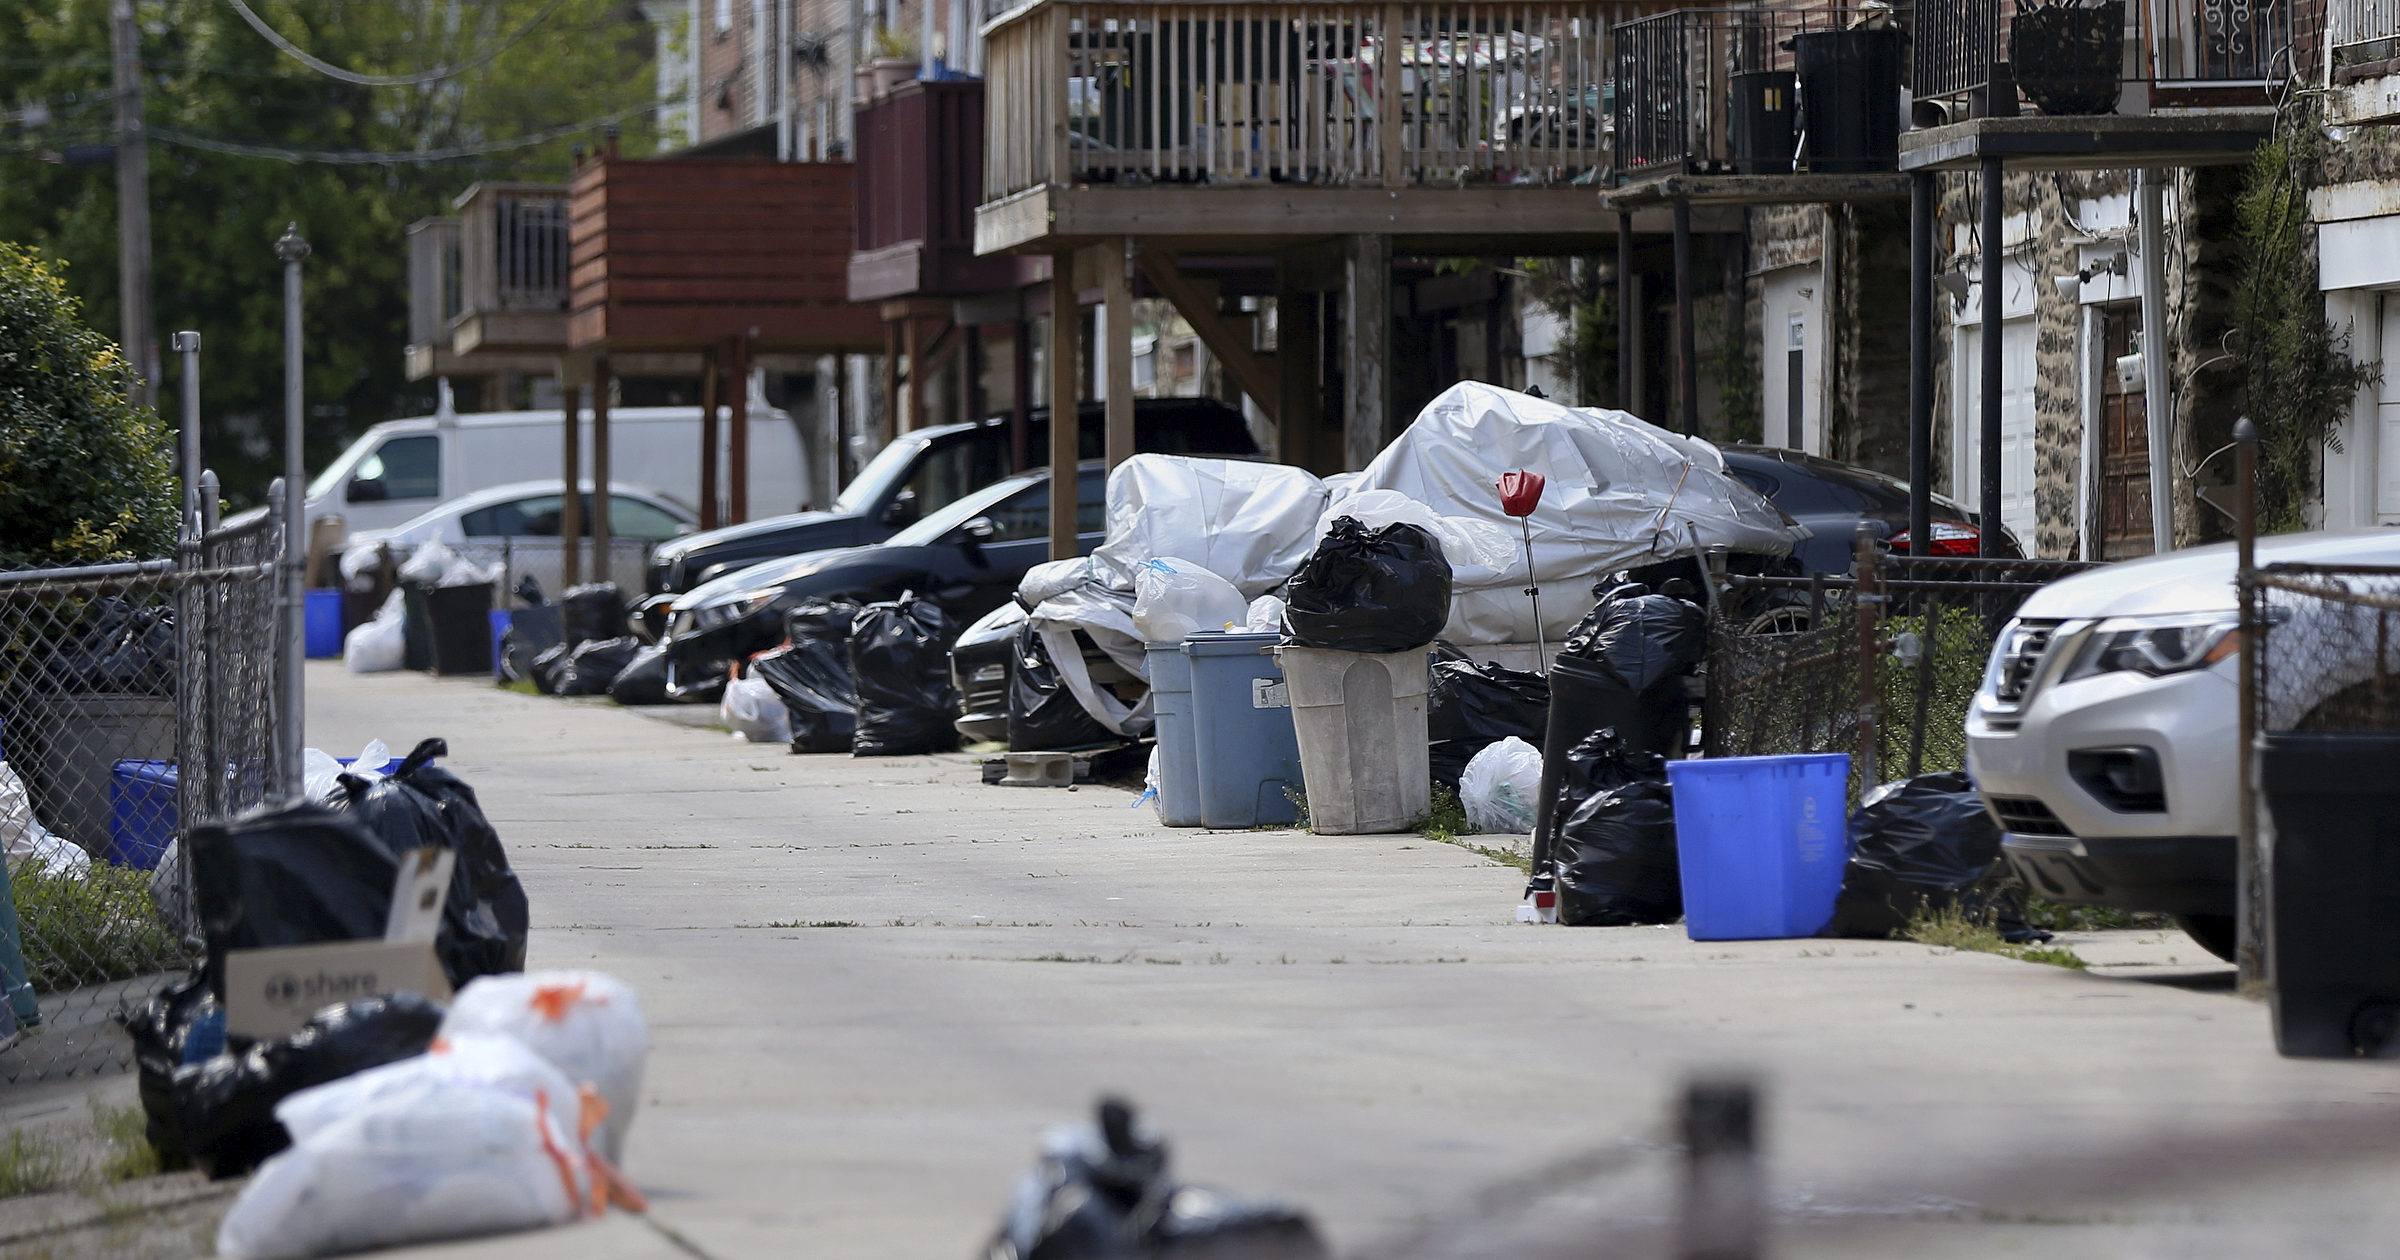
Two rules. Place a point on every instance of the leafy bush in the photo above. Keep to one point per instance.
(85, 476)
(90, 929)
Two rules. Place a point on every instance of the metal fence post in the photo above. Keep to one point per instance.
(2250, 955)
(187, 344)
(1869, 597)
(292, 493)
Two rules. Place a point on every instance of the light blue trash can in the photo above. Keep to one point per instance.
(1178, 766)
(1244, 745)
(1762, 842)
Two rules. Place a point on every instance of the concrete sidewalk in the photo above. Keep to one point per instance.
(871, 983)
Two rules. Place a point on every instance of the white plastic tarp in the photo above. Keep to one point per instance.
(1621, 493)
(1245, 522)
(1078, 595)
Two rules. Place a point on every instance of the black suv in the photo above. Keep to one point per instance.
(921, 472)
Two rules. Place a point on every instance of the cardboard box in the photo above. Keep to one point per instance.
(270, 992)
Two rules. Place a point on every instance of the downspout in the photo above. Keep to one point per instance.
(2157, 404)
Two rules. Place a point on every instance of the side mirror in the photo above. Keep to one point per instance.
(979, 531)
(901, 511)
(362, 491)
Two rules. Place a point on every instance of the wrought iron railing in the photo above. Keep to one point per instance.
(1675, 77)
(2168, 44)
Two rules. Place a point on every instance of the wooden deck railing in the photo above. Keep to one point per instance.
(512, 248)
(1390, 95)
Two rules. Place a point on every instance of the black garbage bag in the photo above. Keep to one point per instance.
(1043, 716)
(1469, 707)
(900, 663)
(1639, 637)
(1600, 761)
(594, 610)
(485, 921)
(289, 875)
(1101, 1193)
(117, 646)
(546, 666)
(1614, 859)
(159, 1027)
(227, 1104)
(812, 675)
(595, 663)
(1369, 590)
(644, 678)
(1924, 845)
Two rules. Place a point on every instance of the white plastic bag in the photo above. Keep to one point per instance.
(25, 842)
(481, 1060)
(1173, 598)
(435, 564)
(1265, 615)
(379, 645)
(1500, 785)
(320, 769)
(587, 1024)
(466, 1160)
(752, 710)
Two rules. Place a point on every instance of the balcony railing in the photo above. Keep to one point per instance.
(1324, 94)
(1676, 75)
(513, 248)
(2168, 44)
(2351, 23)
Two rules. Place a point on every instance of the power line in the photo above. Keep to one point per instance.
(330, 70)
(363, 157)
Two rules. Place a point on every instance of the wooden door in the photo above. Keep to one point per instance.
(2124, 443)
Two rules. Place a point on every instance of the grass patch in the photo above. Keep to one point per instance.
(2050, 916)
(1951, 928)
(522, 686)
(29, 1165)
(130, 1154)
(1446, 819)
(90, 928)
(806, 923)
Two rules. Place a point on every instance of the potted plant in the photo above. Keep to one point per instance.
(2069, 57)
(895, 60)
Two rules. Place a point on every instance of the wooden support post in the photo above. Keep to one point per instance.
(1300, 410)
(840, 469)
(1066, 343)
(737, 441)
(1628, 304)
(1388, 98)
(888, 425)
(1368, 379)
(1687, 339)
(1116, 288)
(912, 416)
(601, 525)
(708, 439)
(1020, 402)
(570, 508)
(970, 376)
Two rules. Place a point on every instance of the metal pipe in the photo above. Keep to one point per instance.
(1687, 338)
(291, 491)
(2158, 402)
(2250, 954)
(1988, 511)
(1920, 363)
(187, 344)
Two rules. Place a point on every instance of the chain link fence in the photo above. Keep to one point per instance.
(112, 679)
(2329, 648)
(1881, 664)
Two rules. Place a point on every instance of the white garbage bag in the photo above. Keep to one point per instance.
(25, 842)
(467, 1159)
(320, 770)
(1248, 523)
(1621, 493)
(1174, 598)
(1500, 786)
(752, 710)
(1265, 615)
(435, 564)
(1052, 578)
(587, 1024)
(379, 645)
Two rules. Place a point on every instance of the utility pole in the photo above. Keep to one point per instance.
(290, 249)
(133, 206)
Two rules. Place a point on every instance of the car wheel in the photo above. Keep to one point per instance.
(2216, 932)
(1781, 619)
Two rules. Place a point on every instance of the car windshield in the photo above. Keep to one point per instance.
(932, 528)
(869, 485)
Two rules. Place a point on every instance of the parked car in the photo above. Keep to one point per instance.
(2103, 736)
(1831, 498)
(519, 525)
(979, 670)
(967, 558)
(922, 472)
(401, 468)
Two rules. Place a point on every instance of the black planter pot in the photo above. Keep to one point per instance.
(2068, 59)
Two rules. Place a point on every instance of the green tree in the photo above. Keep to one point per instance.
(245, 139)
(84, 474)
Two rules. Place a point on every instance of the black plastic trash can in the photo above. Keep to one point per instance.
(1765, 103)
(459, 629)
(1850, 99)
(2333, 940)
(1584, 698)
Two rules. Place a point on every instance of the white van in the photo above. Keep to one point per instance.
(399, 468)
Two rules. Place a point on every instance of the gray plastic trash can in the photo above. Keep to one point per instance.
(1360, 717)
(1178, 766)
(1244, 746)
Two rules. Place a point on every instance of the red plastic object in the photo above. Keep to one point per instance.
(1949, 539)
(1520, 492)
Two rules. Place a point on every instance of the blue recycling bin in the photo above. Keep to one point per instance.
(141, 812)
(323, 618)
(501, 620)
(1244, 746)
(1762, 842)
(1178, 764)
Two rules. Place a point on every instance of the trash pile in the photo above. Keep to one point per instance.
(1101, 1192)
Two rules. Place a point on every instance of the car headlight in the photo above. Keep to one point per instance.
(711, 616)
(2156, 646)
